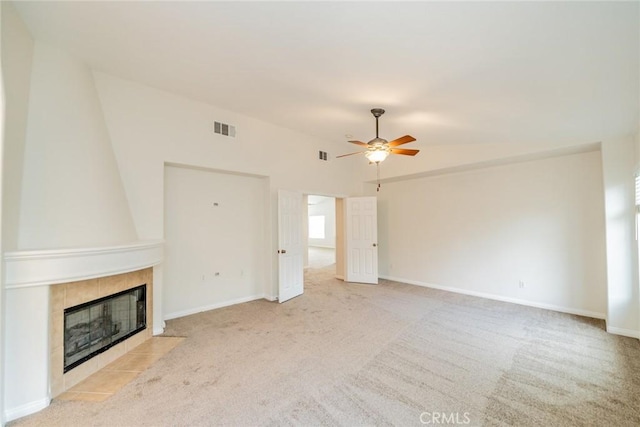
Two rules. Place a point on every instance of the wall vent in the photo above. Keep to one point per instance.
(322, 155)
(224, 129)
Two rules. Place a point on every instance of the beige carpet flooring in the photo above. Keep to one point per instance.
(348, 354)
(321, 257)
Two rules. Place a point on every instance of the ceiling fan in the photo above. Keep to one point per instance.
(378, 148)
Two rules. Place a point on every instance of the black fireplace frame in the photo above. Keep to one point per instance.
(141, 325)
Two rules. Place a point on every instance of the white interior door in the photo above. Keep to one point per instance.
(362, 240)
(290, 245)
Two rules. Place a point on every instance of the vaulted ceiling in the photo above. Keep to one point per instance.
(554, 73)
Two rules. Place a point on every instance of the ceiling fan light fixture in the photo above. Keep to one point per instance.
(376, 156)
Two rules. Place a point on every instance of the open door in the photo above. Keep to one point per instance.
(290, 245)
(361, 240)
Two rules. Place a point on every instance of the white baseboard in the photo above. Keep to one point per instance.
(624, 332)
(200, 309)
(11, 414)
(562, 309)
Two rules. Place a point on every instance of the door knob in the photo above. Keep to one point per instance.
(375, 244)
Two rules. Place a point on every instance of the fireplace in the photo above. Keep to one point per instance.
(48, 282)
(124, 335)
(95, 326)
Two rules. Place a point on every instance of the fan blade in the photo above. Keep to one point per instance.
(404, 151)
(364, 144)
(401, 140)
(350, 154)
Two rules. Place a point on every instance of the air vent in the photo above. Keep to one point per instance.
(322, 155)
(224, 129)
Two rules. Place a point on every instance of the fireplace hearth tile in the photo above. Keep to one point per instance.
(86, 397)
(137, 339)
(134, 362)
(107, 381)
(158, 346)
(67, 395)
(79, 373)
(112, 355)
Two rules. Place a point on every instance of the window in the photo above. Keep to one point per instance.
(316, 227)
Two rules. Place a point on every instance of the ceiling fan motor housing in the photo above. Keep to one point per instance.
(378, 142)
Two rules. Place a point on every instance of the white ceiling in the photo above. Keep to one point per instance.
(447, 73)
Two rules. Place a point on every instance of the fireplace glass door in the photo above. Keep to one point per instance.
(93, 327)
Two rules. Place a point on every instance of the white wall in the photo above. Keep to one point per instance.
(16, 55)
(340, 243)
(26, 376)
(72, 195)
(618, 160)
(305, 226)
(637, 170)
(325, 207)
(149, 127)
(483, 231)
(2, 145)
(434, 157)
(214, 254)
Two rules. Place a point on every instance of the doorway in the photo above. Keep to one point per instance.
(321, 232)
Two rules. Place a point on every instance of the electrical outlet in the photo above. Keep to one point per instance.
(521, 284)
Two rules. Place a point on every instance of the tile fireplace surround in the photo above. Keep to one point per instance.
(39, 285)
(71, 294)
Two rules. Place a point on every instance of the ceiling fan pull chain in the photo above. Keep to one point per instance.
(378, 171)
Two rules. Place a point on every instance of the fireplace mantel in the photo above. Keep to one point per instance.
(30, 278)
(50, 267)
